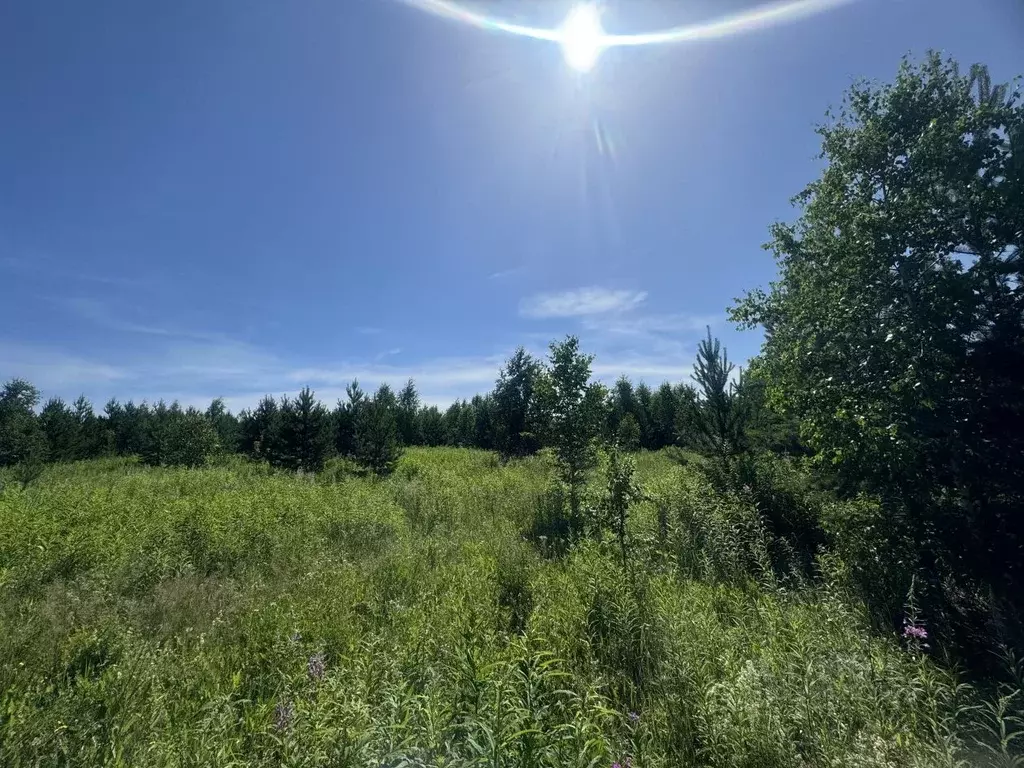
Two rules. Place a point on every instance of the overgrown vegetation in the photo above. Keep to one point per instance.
(160, 616)
(815, 562)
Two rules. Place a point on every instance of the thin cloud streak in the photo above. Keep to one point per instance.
(580, 302)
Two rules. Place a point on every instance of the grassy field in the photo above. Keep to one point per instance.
(231, 616)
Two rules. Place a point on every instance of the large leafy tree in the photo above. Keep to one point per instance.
(513, 397)
(894, 330)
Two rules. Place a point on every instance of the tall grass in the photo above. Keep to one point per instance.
(233, 616)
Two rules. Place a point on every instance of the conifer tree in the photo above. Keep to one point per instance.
(62, 430)
(345, 414)
(721, 416)
(305, 433)
(513, 399)
(21, 439)
(431, 426)
(260, 430)
(378, 447)
(224, 424)
(408, 408)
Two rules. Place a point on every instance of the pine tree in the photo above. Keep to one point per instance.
(627, 437)
(513, 399)
(345, 415)
(260, 430)
(378, 447)
(62, 430)
(642, 412)
(225, 425)
(663, 416)
(305, 433)
(96, 439)
(720, 418)
(21, 439)
(431, 426)
(408, 408)
(483, 422)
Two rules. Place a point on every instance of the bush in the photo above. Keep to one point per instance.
(181, 439)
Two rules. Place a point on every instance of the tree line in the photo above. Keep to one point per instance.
(522, 414)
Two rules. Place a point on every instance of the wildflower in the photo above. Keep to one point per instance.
(295, 637)
(634, 718)
(283, 714)
(317, 666)
(616, 765)
(912, 631)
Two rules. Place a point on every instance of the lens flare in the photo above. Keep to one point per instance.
(582, 38)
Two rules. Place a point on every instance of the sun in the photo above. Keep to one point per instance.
(582, 37)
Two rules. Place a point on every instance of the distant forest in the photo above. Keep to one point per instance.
(302, 433)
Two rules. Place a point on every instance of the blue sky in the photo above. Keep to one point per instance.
(222, 198)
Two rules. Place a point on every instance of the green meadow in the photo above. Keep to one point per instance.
(234, 615)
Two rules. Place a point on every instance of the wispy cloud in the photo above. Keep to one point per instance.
(645, 325)
(53, 370)
(41, 267)
(388, 353)
(580, 302)
(503, 273)
(99, 314)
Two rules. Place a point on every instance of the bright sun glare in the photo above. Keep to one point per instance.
(582, 37)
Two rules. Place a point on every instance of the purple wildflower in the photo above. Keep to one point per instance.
(283, 714)
(616, 765)
(915, 632)
(634, 718)
(317, 666)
